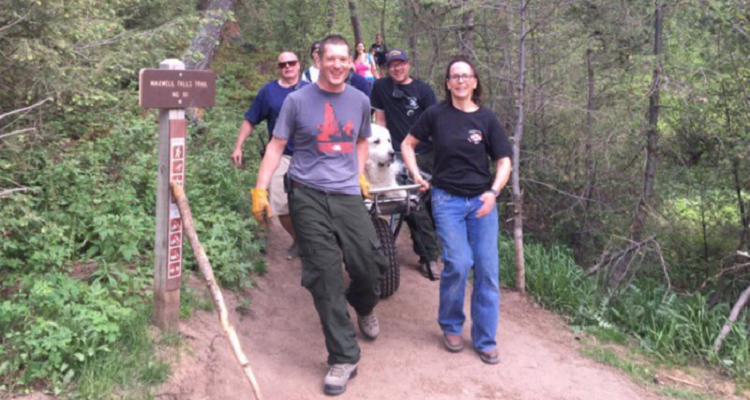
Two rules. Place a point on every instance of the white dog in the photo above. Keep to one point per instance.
(381, 167)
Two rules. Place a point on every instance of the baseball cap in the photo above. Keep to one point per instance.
(315, 47)
(396, 54)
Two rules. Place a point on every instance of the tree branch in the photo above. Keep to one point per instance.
(17, 132)
(25, 109)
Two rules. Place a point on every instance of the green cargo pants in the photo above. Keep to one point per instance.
(329, 226)
(421, 224)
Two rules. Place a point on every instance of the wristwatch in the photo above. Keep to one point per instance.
(495, 192)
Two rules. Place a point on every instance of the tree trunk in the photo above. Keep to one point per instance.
(652, 146)
(588, 187)
(331, 16)
(466, 33)
(201, 52)
(517, 195)
(355, 22)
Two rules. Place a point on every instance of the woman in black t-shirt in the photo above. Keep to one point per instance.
(465, 137)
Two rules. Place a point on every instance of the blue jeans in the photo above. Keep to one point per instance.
(468, 242)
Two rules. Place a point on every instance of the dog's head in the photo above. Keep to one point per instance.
(381, 149)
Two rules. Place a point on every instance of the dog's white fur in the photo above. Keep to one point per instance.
(381, 168)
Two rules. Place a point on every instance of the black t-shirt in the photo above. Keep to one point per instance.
(380, 52)
(464, 144)
(402, 104)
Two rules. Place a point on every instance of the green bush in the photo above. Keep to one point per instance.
(670, 326)
(53, 324)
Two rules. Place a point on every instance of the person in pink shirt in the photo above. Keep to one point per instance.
(364, 65)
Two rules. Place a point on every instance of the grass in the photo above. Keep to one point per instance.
(131, 370)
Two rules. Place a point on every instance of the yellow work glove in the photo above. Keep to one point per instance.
(364, 184)
(261, 205)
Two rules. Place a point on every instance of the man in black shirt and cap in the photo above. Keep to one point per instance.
(398, 101)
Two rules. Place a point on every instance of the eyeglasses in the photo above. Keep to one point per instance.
(460, 77)
(398, 93)
(287, 64)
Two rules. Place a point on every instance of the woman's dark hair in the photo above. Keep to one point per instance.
(476, 96)
(355, 49)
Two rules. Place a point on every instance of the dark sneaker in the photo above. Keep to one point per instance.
(454, 343)
(292, 252)
(430, 270)
(337, 377)
(369, 326)
(490, 356)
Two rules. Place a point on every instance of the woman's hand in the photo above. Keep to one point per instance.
(489, 200)
(422, 182)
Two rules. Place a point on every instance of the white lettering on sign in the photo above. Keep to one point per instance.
(169, 84)
(177, 175)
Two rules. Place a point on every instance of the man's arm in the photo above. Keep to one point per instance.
(380, 118)
(363, 152)
(245, 130)
(271, 160)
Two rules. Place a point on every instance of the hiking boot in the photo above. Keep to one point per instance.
(292, 252)
(337, 377)
(430, 270)
(490, 356)
(369, 326)
(454, 343)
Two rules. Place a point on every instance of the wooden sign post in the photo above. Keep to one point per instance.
(171, 89)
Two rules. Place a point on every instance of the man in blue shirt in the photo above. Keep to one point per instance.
(266, 107)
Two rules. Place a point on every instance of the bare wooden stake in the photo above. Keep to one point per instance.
(208, 275)
(732, 318)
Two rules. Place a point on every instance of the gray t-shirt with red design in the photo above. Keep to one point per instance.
(324, 127)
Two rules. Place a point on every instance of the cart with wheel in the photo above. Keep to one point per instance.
(388, 215)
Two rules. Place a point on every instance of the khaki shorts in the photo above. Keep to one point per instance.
(279, 201)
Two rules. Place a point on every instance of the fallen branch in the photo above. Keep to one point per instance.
(732, 318)
(208, 275)
(684, 381)
(609, 257)
(8, 192)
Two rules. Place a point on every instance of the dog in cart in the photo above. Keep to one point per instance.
(394, 196)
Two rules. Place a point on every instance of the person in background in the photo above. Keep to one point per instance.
(364, 64)
(398, 101)
(357, 81)
(379, 51)
(311, 74)
(266, 107)
(329, 122)
(466, 137)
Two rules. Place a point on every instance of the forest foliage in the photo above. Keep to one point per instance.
(78, 160)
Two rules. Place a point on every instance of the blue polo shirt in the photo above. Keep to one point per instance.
(267, 106)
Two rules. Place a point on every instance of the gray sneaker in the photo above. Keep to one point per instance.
(369, 326)
(292, 252)
(337, 377)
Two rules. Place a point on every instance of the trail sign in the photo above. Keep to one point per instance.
(164, 88)
(171, 89)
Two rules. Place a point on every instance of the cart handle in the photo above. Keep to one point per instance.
(394, 188)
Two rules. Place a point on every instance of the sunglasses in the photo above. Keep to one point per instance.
(287, 64)
(397, 93)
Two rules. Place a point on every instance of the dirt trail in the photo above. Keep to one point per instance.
(282, 337)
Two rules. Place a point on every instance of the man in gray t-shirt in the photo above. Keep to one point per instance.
(329, 123)
(325, 128)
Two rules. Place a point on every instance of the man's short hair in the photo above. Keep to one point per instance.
(315, 47)
(332, 39)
